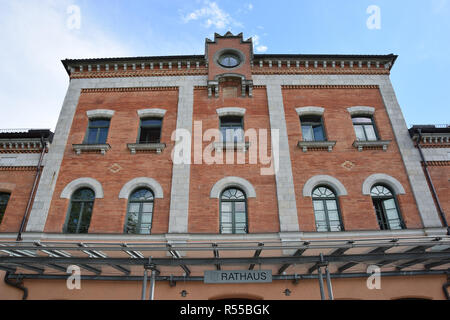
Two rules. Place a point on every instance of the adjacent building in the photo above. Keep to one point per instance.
(230, 175)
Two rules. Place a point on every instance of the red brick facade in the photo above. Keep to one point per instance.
(189, 93)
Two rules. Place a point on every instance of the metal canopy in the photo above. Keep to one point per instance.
(188, 260)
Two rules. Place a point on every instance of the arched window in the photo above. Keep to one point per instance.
(326, 210)
(80, 211)
(4, 198)
(386, 208)
(140, 212)
(233, 211)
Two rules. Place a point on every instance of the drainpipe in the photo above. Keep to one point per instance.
(433, 189)
(17, 284)
(30, 199)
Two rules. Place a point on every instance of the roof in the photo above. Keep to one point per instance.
(433, 128)
(389, 58)
(26, 134)
(189, 260)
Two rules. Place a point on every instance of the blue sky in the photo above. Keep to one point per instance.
(37, 34)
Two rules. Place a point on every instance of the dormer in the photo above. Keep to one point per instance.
(229, 58)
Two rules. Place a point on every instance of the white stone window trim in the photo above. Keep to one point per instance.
(7, 187)
(228, 182)
(326, 180)
(230, 111)
(381, 178)
(310, 110)
(361, 110)
(84, 182)
(153, 112)
(100, 113)
(141, 182)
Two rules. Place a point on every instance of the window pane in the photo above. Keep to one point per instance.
(239, 206)
(73, 217)
(98, 123)
(226, 217)
(86, 217)
(395, 224)
(389, 204)
(155, 123)
(307, 133)
(241, 228)
(240, 217)
(310, 119)
(318, 133)
(331, 205)
(103, 135)
(233, 134)
(146, 218)
(141, 194)
(226, 228)
(132, 222)
(320, 215)
(392, 214)
(150, 135)
(226, 206)
(335, 226)
(4, 198)
(232, 120)
(370, 132)
(147, 207)
(359, 131)
(333, 215)
(321, 226)
(92, 136)
(318, 205)
(145, 229)
(134, 207)
(83, 194)
(361, 120)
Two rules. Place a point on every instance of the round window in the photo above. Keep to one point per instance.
(229, 60)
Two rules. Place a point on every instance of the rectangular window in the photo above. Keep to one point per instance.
(4, 198)
(97, 131)
(364, 129)
(312, 128)
(232, 129)
(150, 130)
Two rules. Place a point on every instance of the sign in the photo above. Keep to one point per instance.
(238, 276)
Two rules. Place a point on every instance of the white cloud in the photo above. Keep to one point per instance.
(255, 39)
(33, 80)
(261, 48)
(212, 16)
(250, 6)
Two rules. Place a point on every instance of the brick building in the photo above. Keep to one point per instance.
(186, 168)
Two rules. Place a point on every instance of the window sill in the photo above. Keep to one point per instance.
(146, 147)
(239, 146)
(316, 145)
(102, 148)
(371, 145)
